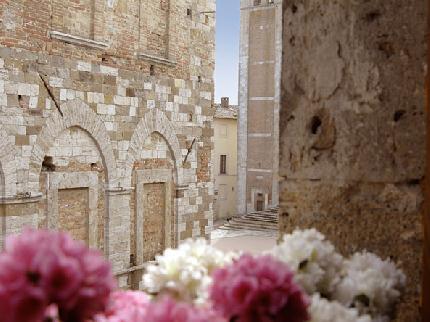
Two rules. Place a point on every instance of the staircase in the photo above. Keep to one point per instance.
(261, 221)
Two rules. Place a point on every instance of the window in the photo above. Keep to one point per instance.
(257, 2)
(223, 164)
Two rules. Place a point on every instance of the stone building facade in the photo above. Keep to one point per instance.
(353, 128)
(225, 159)
(106, 123)
(259, 97)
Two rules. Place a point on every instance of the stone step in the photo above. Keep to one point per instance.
(263, 213)
(252, 223)
(267, 220)
(240, 228)
(268, 214)
(259, 218)
(263, 221)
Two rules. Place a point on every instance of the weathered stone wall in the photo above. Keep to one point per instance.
(352, 151)
(91, 93)
(259, 94)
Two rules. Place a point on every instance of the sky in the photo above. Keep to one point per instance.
(227, 50)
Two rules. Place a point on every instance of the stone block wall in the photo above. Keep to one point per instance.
(85, 104)
(352, 144)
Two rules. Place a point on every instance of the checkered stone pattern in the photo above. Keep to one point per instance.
(90, 100)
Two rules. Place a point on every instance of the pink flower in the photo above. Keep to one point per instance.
(168, 310)
(258, 290)
(39, 268)
(125, 307)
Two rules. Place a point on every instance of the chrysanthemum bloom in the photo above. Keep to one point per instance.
(185, 273)
(323, 310)
(258, 289)
(371, 285)
(125, 306)
(312, 258)
(169, 310)
(39, 268)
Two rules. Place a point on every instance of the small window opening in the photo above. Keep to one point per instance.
(223, 164)
(48, 164)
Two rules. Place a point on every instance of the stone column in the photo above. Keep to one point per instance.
(180, 217)
(352, 141)
(117, 232)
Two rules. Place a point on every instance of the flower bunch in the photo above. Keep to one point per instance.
(47, 275)
(258, 289)
(365, 282)
(41, 268)
(185, 272)
(312, 258)
(370, 284)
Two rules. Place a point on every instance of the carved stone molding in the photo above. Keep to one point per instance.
(76, 40)
(157, 60)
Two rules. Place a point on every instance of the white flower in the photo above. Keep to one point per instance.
(185, 272)
(322, 310)
(312, 258)
(370, 284)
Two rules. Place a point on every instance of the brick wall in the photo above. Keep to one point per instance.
(88, 88)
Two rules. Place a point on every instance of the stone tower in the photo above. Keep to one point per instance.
(259, 96)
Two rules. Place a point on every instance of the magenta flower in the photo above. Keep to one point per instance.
(39, 268)
(168, 310)
(258, 289)
(125, 306)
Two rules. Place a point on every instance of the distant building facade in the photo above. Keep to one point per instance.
(225, 159)
(259, 99)
(106, 111)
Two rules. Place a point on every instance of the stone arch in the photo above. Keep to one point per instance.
(154, 121)
(8, 176)
(75, 114)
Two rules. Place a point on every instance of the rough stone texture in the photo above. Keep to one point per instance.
(259, 99)
(73, 212)
(353, 128)
(153, 219)
(92, 91)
